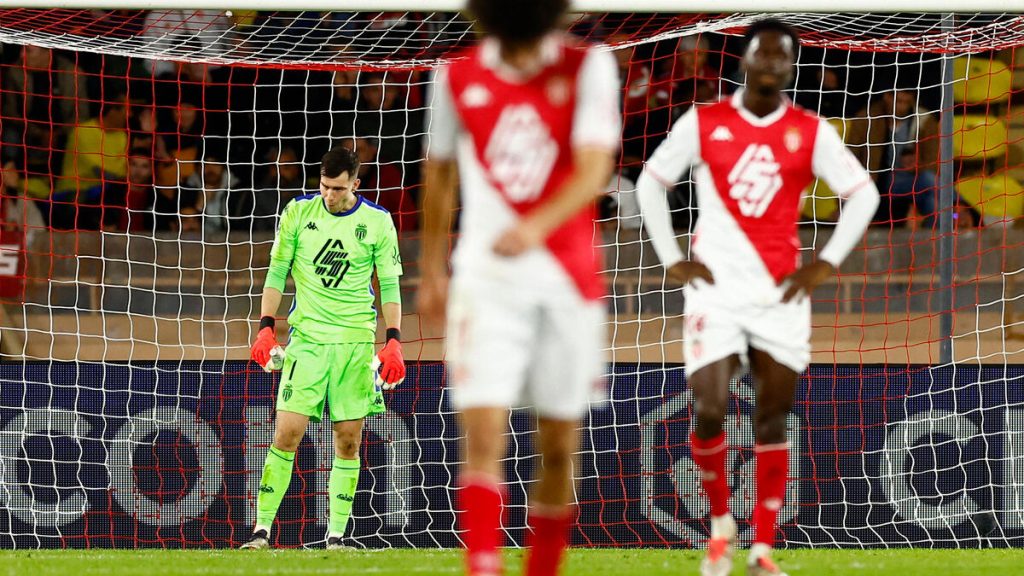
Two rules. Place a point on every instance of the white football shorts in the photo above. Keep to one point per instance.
(513, 348)
(716, 328)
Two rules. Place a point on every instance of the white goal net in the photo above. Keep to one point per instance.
(147, 154)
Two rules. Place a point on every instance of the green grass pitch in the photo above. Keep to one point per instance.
(580, 562)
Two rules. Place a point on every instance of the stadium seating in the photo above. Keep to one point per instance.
(997, 197)
(977, 137)
(981, 81)
(820, 202)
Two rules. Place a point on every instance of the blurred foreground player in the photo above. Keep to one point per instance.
(530, 118)
(747, 296)
(331, 243)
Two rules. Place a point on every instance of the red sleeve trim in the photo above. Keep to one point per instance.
(849, 193)
(661, 180)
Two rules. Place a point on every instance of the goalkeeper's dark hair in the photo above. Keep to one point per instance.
(517, 22)
(771, 25)
(339, 160)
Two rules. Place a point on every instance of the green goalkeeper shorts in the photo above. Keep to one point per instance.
(340, 375)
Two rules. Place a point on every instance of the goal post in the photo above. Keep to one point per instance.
(148, 148)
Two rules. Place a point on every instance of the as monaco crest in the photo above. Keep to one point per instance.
(361, 232)
(557, 90)
(792, 139)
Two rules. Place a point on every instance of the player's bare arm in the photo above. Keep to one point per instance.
(392, 315)
(686, 271)
(592, 171)
(440, 182)
(805, 279)
(271, 301)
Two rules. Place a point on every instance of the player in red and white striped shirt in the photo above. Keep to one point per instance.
(531, 119)
(747, 295)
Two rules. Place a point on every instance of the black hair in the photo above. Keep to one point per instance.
(13, 153)
(771, 25)
(517, 22)
(338, 161)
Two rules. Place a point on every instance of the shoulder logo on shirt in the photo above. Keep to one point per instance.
(755, 180)
(361, 232)
(721, 134)
(557, 90)
(311, 226)
(475, 96)
(331, 263)
(792, 139)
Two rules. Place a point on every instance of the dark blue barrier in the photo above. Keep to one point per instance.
(169, 455)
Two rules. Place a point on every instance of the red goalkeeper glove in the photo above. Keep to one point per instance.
(392, 370)
(266, 340)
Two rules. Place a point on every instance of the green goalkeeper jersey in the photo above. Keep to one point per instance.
(331, 258)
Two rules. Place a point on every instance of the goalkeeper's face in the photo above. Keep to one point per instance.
(338, 192)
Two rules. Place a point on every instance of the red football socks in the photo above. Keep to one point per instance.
(480, 520)
(772, 473)
(548, 540)
(709, 455)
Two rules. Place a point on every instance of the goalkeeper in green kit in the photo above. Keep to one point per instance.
(330, 242)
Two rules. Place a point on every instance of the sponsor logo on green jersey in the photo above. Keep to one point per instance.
(331, 263)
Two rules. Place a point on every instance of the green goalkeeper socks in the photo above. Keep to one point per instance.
(342, 490)
(277, 475)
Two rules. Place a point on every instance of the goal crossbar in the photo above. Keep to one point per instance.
(694, 6)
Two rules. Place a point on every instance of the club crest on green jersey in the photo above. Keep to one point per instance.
(361, 232)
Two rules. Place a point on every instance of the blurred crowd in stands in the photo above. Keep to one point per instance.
(101, 142)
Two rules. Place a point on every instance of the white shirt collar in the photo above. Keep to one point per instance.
(490, 57)
(754, 119)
